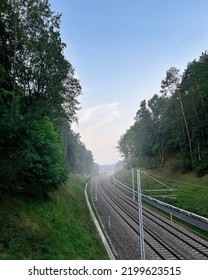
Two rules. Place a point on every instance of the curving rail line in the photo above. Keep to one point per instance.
(163, 239)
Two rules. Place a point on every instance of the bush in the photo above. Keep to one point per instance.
(34, 158)
(147, 162)
(42, 158)
(177, 164)
(200, 168)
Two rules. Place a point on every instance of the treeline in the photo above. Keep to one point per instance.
(172, 127)
(38, 101)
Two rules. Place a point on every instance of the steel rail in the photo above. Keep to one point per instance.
(152, 216)
(169, 254)
(181, 238)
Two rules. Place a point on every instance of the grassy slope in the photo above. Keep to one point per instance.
(192, 191)
(57, 228)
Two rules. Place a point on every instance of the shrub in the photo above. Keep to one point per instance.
(42, 158)
(33, 158)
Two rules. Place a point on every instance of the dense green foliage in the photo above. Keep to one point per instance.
(57, 228)
(172, 126)
(38, 101)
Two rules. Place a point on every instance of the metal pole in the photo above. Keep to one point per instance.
(94, 182)
(133, 185)
(141, 230)
(96, 190)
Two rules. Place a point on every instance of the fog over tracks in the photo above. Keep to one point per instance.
(164, 239)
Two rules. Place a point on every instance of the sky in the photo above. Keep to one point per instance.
(121, 50)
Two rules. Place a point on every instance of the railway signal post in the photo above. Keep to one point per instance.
(141, 230)
(133, 184)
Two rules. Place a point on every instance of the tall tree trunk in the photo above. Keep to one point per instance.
(186, 125)
(200, 131)
(160, 149)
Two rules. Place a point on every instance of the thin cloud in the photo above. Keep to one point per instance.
(99, 115)
(88, 114)
(98, 130)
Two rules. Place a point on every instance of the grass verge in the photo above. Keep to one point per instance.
(191, 194)
(59, 227)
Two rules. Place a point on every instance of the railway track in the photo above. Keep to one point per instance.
(163, 239)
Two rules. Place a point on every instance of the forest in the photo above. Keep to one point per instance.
(171, 129)
(38, 101)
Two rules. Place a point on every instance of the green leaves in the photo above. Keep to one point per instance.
(173, 127)
(38, 94)
(41, 156)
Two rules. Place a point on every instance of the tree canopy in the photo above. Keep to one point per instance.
(172, 126)
(38, 101)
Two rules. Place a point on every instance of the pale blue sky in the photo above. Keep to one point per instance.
(121, 50)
